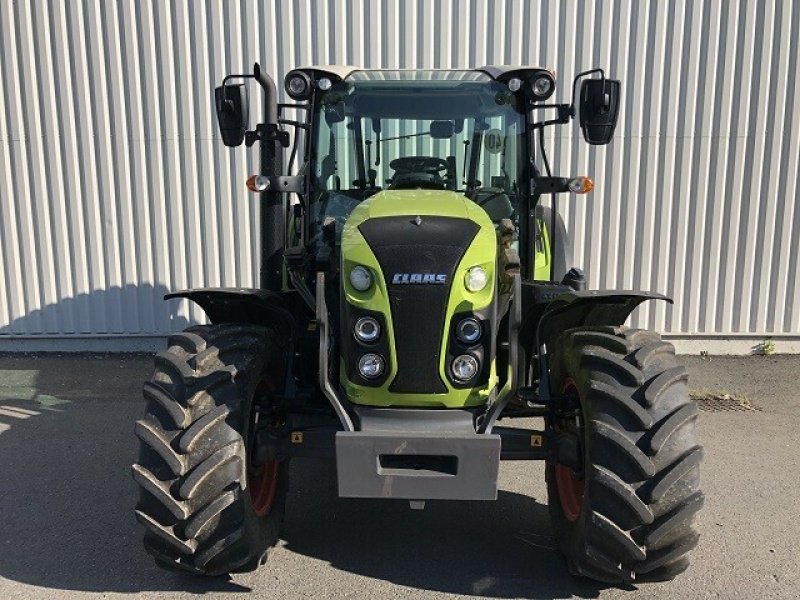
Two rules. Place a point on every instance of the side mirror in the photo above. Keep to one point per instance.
(599, 104)
(232, 113)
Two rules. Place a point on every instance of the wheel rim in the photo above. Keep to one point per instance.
(570, 492)
(262, 479)
(570, 486)
(263, 483)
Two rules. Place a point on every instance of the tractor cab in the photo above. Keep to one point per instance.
(460, 131)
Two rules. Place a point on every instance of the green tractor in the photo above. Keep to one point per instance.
(414, 294)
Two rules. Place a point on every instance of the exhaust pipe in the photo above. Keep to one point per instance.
(272, 219)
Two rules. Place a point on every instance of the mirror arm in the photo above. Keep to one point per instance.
(305, 126)
(266, 132)
(575, 83)
(565, 113)
(226, 103)
(298, 106)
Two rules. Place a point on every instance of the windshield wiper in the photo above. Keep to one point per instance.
(405, 137)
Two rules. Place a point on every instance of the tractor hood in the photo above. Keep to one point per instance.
(393, 203)
(419, 246)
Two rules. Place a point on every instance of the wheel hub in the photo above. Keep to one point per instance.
(262, 479)
(263, 483)
(569, 481)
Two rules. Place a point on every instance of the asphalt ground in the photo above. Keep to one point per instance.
(67, 528)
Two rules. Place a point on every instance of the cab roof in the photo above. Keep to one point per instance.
(359, 73)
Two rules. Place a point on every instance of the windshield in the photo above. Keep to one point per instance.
(455, 130)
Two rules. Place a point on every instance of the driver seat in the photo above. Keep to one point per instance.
(408, 181)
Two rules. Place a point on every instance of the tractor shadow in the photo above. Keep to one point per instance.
(500, 549)
(113, 310)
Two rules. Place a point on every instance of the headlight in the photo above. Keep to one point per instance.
(468, 331)
(370, 366)
(476, 279)
(542, 87)
(324, 84)
(360, 278)
(514, 84)
(367, 329)
(464, 367)
(298, 85)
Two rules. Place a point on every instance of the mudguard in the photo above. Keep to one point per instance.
(563, 244)
(241, 305)
(580, 309)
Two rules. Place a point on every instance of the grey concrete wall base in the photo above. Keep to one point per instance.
(738, 345)
(78, 343)
(684, 343)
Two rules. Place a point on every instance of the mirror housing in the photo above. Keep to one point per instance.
(599, 108)
(232, 113)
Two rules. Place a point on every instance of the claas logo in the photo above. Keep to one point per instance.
(408, 278)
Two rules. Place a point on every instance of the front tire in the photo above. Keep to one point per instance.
(625, 512)
(205, 508)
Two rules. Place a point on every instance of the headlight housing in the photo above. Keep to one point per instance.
(468, 331)
(360, 278)
(476, 279)
(367, 330)
(371, 366)
(542, 86)
(298, 85)
(464, 367)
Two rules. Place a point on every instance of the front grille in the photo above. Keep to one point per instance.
(414, 246)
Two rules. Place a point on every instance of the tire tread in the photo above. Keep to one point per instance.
(192, 467)
(641, 424)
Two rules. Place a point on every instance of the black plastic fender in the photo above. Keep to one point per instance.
(563, 246)
(583, 308)
(241, 305)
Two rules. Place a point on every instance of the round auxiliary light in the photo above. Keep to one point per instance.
(360, 278)
(514, 84)
(298, 85)
(476, 279)
(464, 367)
(542, 86)
(468, 331)
(367, 329)
(324, 84)
(370, 366)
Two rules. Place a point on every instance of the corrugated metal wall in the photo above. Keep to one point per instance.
(114, 187)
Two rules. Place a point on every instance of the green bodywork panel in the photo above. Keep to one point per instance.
(481, 252)
(541, 254)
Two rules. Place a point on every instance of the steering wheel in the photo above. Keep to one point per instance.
(419, 171)
(419, 164)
